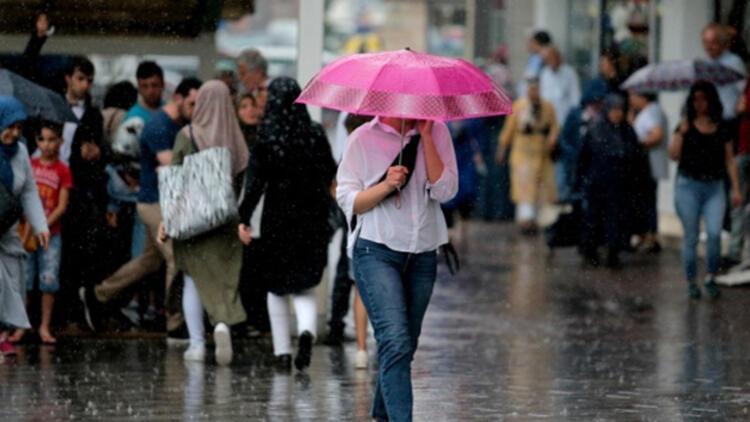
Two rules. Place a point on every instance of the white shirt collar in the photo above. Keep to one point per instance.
(376, 123)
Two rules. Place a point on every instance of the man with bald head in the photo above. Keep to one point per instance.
(559, 83)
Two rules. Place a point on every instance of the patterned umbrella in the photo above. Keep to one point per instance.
(406, 84)
(38, 100)
(679, 75)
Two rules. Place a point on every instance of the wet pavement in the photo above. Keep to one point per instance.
(515, 336)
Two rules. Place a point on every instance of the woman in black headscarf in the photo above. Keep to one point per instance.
(86, 255)
(611, 163)
(292, 165)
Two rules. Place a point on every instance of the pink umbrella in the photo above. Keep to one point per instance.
(406, 84)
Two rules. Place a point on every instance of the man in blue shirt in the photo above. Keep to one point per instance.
(156, 142)
(150, 79)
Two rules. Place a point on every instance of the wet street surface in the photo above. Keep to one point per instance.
(515, 336)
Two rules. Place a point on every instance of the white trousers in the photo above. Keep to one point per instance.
(526, 211)
(306, 309)
(192, 309)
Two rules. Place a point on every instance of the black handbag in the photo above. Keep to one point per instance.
(10, 209)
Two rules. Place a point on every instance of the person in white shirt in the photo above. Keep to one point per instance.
(559, 84)
(716, 44)
(716, 40)
(399, 226)
(650, 125)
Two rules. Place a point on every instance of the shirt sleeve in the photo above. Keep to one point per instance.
(349, 179)
(446, 187)
(32, 205)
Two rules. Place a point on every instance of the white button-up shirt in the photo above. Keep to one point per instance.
(561, 88)
(729, 94)
(415, 224)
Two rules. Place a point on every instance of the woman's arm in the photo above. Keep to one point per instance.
(32, 205)
(433, 162)
(506, 136)
(370, 198)
(675, 147)
(654, 138)
(554, 130)
(255, 181)
(734, 174)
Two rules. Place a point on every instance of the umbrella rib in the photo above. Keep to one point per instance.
(375, 78)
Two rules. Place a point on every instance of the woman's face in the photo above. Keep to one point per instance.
(700, 103)
(533, 92)
(616, 115)
(90, 151)
(607, 68)
(11, 134)
(249, 113)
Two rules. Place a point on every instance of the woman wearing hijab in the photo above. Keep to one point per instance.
(531, 135)
(211, 262)
(16, 178)
(612, 163)
(87, 256)
(292, 165)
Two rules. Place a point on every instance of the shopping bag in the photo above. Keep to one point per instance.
(197, 196)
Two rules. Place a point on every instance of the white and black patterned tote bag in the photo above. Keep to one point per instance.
(197, 196)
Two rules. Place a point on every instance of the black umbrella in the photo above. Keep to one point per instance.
(39, 101)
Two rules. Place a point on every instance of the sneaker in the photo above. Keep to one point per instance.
(711, 288)
(131, 314)
(304, 352)
(90, 307)
(223, 342)
(195, 353)
(694, 292)
(361, 360)
(7, 348)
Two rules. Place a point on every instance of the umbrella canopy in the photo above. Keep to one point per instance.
(678, 75)
(38, 100)
(406, 84)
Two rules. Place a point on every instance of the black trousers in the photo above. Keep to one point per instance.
(342, 284)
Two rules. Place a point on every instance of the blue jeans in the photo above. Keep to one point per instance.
(46, 265)
(395, 288)
(693, 199)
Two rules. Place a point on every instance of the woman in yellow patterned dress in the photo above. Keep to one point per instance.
(531, 135)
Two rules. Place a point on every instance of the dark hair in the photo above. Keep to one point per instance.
(649, 96)
(149, 69)
(55, 127)
(80, 63)
(122, 95)
(87, 133)
(542, 38)
(186, 85)
(715, 109)
(249, 96)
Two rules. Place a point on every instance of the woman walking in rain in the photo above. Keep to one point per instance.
(211, 262)
(702, 146)
(531, 134)
(398, 230)
(291, 164)
(16, 180)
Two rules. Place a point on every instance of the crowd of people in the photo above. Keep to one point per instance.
(604, 151)
(92, 227)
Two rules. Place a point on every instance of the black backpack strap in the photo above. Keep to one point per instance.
(408, 158)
